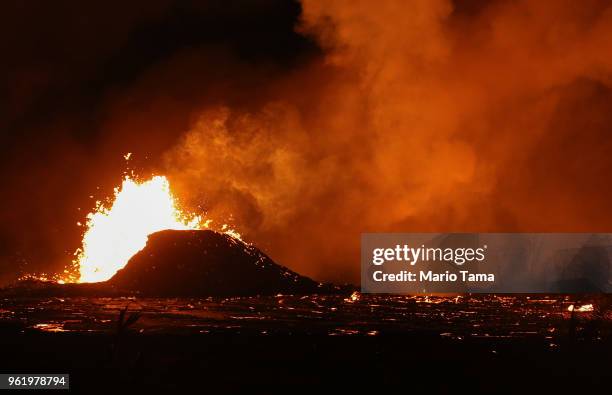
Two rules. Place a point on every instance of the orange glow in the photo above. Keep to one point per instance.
(582, 309)
(355, 296)
(114, 234)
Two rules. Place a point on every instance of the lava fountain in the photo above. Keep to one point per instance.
(114, 234)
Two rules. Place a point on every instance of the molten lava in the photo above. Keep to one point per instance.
(114, 234)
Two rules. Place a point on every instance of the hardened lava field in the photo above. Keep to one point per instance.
(480, 344)
(458, 317)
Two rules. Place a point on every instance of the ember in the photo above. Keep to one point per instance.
(581, 309)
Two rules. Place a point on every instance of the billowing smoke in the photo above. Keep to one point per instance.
(428, 115)
(420, 116)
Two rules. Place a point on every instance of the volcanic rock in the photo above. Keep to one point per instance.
(44, 288)
(203, 262)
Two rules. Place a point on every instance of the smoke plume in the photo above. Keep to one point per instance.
(419, 116)
(346, 117)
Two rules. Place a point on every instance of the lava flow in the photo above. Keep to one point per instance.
(114, 234)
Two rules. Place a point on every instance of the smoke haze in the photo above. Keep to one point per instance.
(307, 126)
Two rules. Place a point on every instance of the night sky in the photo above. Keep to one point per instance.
(70, 67)
(306, 124)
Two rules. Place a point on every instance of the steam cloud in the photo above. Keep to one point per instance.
(427, 116)
(412, 116)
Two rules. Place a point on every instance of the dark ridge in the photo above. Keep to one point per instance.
(38, 288)
(188, 263)
(203, 262)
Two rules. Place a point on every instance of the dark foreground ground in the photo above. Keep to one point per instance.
(314, 344)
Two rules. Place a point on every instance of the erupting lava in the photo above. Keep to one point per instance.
(115, 234)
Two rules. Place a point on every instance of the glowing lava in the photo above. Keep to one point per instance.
(582, 309)
(115, 234)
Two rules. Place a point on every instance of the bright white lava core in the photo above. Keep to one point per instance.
(115, 234)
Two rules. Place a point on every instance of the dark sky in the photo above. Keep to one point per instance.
(306, 124)
(69, 67)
